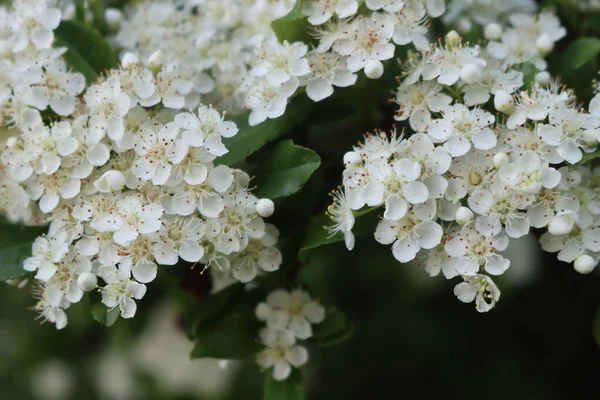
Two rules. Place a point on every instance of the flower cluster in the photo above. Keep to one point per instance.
(127, 183)
(475, 172)
(288, 317)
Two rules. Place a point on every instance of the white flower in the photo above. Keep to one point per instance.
(416, 101)
(291, 311)
(204, 196)
(528, 175)
(57, 88)
(281, 353)
(205, 130)
(179, 237)
(479, 288)
(158, 148)
(259, 255)
(320, 11)
(171, 87)
(471, 172)
(266, 101)
(326, 70)
(410, 25)
(110, 181)
(341, 215)
(122, 293)
(500, 206)
(473, 250)
(47, 251)
(369, 40)
(461, 126)
(278, 63)
(107, 105)
(409, 234)
(33, 22)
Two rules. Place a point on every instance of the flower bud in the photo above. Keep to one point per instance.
(492, 31)
(113, 17)
(11, 141)
(129, 59)
(544, 44)
(452, 38)
(262, 311)
(110, 181)
(542, 77)
(464, 25)
(584, 264)
(351, 157)
(504, 102)
(561, 224)
(374, 69)
(464, 215)
(500, 159)
(470, 73)
(157, 60)
(265, 207)
(87, 281)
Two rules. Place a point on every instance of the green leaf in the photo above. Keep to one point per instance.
(211, 306)
(79, 10)
(317, 235)
(580, 52)
(251, 138)
(529, 70)
(288, 389)
(103, 314)
(15, 247)
(87, 51)
(232, 334)
(286, 170)
(334, 329)
(293, 26)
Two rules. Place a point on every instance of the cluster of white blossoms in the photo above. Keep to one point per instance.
(127, 182)
(486, 160)
(288, 317)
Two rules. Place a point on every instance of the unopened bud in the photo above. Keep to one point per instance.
(544, 44)
(87, 281)
(452, 38)
(464, 25)
(110, 181)
(504, 102)
(492, 31)
(157, 60)
(584, 264)
(500, 159)
(352, 157)
(464, 215)
(265, 207)
(561, 224)
(470, 73)
(129, 59)
(113, 17)
(542, 77)
(374, 69)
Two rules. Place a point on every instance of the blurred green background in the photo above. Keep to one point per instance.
(412, 337)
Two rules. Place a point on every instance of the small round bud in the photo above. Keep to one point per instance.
(157, 59)
(464, 25)
(584, 264)
(113, 17)
(374, 69)
(265, 207)
(542, 77)
(110, 181)
(544, 44)
(504, 102)
(87, 281)
(561, 225)
(492, 31)
(500, 159)
(452, 38)
(129, 59)
(11, 141)
(262, 311)
(464, 215)
(352, 157)
(470, 73)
